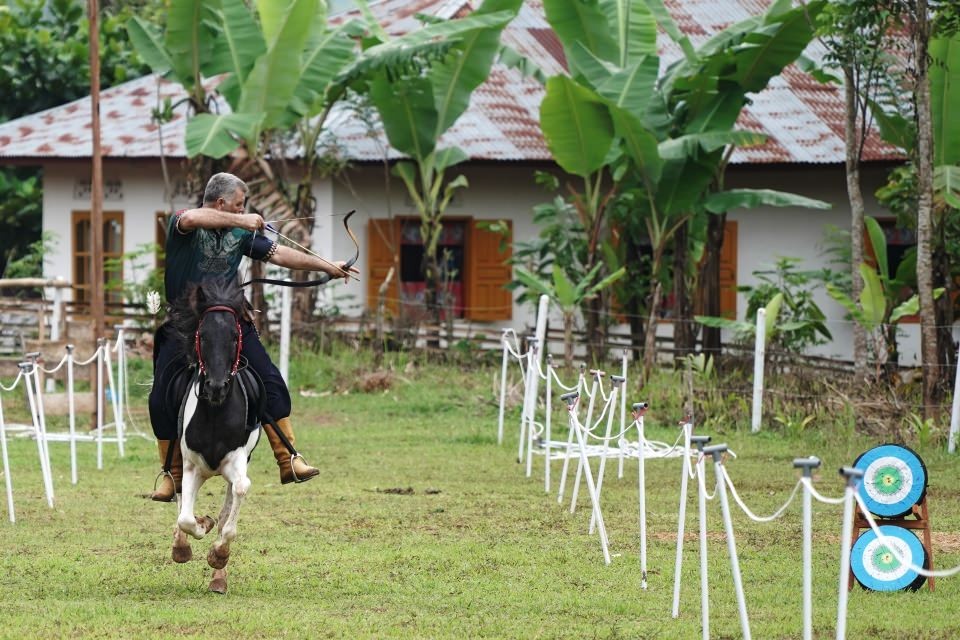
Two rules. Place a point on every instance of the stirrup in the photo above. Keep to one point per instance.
(164, 472)
(293, 470)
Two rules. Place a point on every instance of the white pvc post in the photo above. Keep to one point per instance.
(807, 465)
(108, 363)
(41, 420)
(286, 302)
(616, 381)
(541, 331)
(547, 430)
(529, 397)
(853, 477)
(759, 355)
(26, 367)
(100, 347)
(571, 400)
(55, 319)
(638, 410)
(955, 410)
(569, 449)
(597, 384)
(717, 452)
(623, 411)
(681, 518)
(71, 410)
(121, 388)
(700, 442)
(7, 476)
(503, 385)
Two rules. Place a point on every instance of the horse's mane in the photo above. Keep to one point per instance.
(185, 312)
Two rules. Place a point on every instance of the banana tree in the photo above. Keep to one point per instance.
(568, 295)
(417, 106)
(665, 140)
(881, 304)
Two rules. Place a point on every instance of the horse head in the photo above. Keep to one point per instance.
(209, 316)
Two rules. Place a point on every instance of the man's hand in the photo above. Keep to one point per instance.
(342, 272)
(251, 221)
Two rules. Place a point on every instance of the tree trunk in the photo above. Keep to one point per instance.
(709, 283)
(568, 339)
(683, 335)
(855, 196)
(650, 339)
(928, 315)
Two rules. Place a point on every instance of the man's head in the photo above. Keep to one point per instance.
(225, 192)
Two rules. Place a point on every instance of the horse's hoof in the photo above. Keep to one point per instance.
(182, 554)
(218, 585)
(217, 558)
(206, 524)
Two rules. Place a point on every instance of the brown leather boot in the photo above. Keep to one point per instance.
(169, 487)
(293, 468)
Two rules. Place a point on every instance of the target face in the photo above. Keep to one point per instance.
(876, 567)
(894, 479)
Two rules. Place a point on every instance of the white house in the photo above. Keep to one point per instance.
(500, 132)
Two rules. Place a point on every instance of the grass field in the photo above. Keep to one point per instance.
(421, 526)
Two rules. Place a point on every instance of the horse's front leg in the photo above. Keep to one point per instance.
(192, 481)
(234, 470)
(181, 544)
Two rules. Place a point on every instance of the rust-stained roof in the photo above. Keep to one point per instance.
(802, 117)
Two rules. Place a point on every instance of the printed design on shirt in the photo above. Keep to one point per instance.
(218, 251)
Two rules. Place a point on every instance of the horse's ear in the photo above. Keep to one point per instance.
(201, 296)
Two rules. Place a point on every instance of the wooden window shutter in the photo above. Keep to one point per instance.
(728, 271)
(486, 273)
(383, 240)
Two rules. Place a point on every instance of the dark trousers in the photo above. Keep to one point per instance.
(169, 360)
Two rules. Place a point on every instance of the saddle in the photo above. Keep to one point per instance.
(250, 384)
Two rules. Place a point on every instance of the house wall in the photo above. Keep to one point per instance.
(504, 191)
(768, 233)
(140, 198)
(496, 191)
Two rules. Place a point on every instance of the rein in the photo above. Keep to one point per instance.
(196, 338)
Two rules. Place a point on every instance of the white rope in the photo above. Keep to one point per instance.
(556, 379)
(819, 496)
(746, 510)
(589, 431)
(514, 352)
(939, 573)
(15, 382)
(56, 368)
(80, 363)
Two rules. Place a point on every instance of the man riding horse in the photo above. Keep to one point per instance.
(209, 243)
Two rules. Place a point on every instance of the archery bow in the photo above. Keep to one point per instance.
(324, 277)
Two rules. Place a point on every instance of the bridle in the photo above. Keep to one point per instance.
(196, 338)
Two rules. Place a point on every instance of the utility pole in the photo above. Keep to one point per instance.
(96, 178)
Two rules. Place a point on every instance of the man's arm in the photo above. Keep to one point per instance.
(207, 218)
(291, 259)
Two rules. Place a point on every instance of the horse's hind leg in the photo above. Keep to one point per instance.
(234, 470)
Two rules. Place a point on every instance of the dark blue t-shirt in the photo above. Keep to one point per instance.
(204, 254)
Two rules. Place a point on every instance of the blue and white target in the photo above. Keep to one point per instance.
(894, 479)
(876, 567)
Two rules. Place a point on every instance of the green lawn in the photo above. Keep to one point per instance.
(472, 549)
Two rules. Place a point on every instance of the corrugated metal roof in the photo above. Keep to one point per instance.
(802, 117)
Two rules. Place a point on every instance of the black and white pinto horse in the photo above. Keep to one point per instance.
(218, 432)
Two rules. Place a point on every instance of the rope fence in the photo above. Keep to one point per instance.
(109, 385)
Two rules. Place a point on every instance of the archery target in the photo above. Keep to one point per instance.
(876, 567)
(894, 479)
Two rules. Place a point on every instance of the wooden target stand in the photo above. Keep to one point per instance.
(919, 521)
